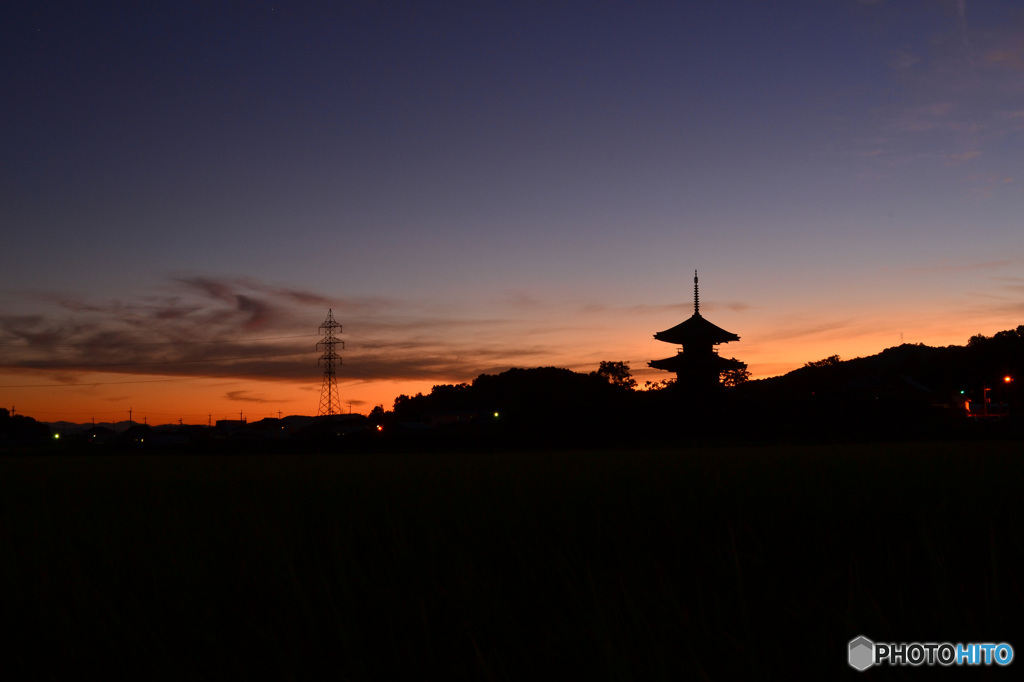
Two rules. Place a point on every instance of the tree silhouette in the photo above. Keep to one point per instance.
(658, 385)
(830, 361)
(616, 374)
(735, 377)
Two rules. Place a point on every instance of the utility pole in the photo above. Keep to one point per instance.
(330, 403)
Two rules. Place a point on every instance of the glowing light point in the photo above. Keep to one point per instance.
(1007, 379)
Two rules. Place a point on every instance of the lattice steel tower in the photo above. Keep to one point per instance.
(330, 401)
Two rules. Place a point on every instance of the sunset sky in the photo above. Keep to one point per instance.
(186, 188)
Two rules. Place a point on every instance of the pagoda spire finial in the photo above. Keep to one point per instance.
(696, 295)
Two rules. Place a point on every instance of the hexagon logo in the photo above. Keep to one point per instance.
(862, 653)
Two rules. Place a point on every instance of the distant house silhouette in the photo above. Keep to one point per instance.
(697, 364)
(226, 426)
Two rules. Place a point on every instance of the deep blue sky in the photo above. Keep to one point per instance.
(472, 186)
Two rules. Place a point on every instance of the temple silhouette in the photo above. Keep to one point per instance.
(697, 364)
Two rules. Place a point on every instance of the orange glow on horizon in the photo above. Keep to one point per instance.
(767, 350)
(162, 400)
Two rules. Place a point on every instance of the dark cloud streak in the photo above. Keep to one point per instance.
(205, 330)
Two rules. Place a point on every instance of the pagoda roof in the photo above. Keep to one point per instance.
(682, 361)
(696, 330)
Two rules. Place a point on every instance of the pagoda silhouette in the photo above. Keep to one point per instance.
(697, 365)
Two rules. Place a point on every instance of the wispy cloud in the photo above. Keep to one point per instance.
(684, 308)
(518, 300)
(903, 59)
(961, 157)
(948, 267)
(987, 185)
(804, 328)
(246, 397)
(1004, 299)
(1007, 305)
(950, 92)
(932, 116)
(1012, 284)
(1011, 58)
(222, 327)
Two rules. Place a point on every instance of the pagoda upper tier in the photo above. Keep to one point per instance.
(696, 330)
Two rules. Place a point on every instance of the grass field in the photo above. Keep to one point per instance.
(610, 565)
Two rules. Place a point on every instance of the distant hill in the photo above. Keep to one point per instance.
(20, 430)
(908, 391)
(945, 373)
(72, 427)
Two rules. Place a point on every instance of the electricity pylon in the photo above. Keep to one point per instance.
(330, 401)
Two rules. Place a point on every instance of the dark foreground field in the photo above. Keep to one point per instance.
(596, 565)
